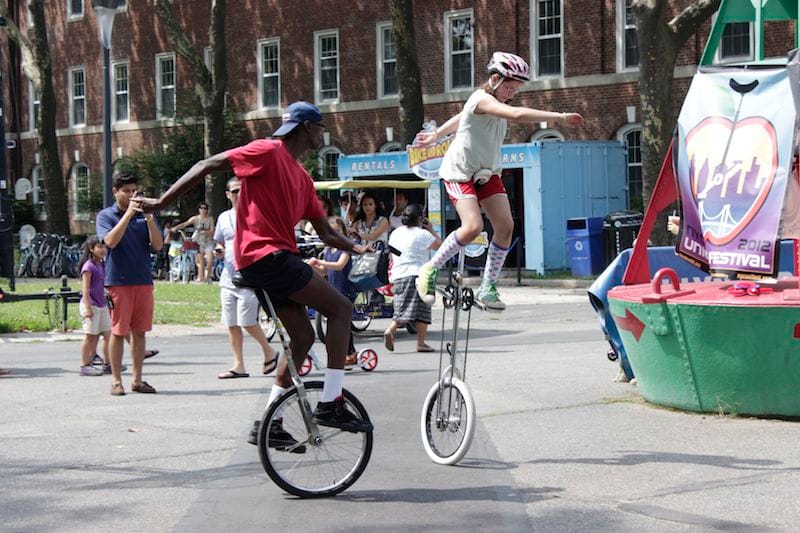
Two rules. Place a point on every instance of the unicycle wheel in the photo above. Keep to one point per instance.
(368, 359)
(308, 467)
(448, 421)
(306, 367)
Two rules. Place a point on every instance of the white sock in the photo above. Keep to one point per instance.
(274, 394)
(448, 249)
(332, 389)
(494, 262)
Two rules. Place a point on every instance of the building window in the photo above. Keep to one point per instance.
(77, 100)
(165, 86)
(547, 135)
(33, 107)
(269, 73)
(627, 40)
(459, 47)
(39, 193)
(80, 190)
(326, 65)
(392, 146)
(547, 40)
(387, 61)
(736, 42)
(121, 111)
(329, 162)
(74, 9)
(632, 137)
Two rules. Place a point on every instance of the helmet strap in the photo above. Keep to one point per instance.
(500, 79)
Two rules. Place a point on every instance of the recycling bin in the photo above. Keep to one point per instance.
(584, 238)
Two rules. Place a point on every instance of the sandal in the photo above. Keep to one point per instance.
(150, 353)
(425, 348)
(232, 374)
(143, 387)
(269, 366)
(117, 389)
(388, 340)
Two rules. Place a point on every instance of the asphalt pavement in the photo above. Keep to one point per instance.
(559, 446)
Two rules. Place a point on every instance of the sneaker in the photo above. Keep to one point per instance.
(489, 297)
(143, 387)
(335, 415)
(107, 368)
(282, 440)
(117, 389)
(96, 360)
(426, 283)
(89, 370)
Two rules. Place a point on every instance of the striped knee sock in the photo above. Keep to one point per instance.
(494, 262)
(448, 249)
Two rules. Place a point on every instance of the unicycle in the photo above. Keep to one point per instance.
(448, 415)
(323, 461)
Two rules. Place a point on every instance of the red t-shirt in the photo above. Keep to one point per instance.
(276, 194)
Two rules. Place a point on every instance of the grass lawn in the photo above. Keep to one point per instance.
(190, 304)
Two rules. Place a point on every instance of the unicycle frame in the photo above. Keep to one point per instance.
(308, 418)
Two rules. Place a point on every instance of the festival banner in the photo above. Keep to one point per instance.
(735, 152)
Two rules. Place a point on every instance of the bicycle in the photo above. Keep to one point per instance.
(447, 423)
(324, 461)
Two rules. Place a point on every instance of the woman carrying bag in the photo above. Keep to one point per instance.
(414, 240)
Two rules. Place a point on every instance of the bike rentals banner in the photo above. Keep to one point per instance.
(736, 136)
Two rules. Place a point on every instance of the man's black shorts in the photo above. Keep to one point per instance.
(280, 274)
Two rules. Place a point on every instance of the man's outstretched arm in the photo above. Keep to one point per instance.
(189, 180)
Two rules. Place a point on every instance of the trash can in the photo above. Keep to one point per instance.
(585, 245)
(620, 229)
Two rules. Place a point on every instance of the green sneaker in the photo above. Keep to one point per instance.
(426, 283)
(489, 297)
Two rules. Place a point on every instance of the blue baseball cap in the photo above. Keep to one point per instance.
(295, 114)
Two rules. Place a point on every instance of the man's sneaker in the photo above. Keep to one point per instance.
(96, 360)
(282, 440)
(426, 283)
(335, 415)
(489, 297)
(89, 370)
(107, 368)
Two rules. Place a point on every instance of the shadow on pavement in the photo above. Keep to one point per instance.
(40, 372)
(498, 493)
(639, 458)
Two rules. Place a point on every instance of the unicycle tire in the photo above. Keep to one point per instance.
(322, 469)
(448, 422)
(368, 359)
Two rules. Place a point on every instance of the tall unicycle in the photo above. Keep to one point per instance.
(447, 423)
(306, 459)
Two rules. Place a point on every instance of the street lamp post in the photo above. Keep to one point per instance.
(105, 11)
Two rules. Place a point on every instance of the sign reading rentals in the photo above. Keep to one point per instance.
(735, 140)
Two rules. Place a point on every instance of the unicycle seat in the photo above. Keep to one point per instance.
(241, 283)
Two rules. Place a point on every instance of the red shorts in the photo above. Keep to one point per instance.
(469, 189)
(133, 308)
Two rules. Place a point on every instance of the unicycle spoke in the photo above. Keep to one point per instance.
(328, 464)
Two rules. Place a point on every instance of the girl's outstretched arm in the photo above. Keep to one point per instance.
(425, 138)
(489, 105)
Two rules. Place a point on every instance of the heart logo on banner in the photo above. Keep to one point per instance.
(730, 193)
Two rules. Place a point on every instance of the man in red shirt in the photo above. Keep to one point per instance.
(276, 193)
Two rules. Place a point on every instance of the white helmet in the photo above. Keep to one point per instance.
(509, 65)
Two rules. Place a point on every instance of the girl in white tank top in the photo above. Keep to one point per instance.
(472, 166)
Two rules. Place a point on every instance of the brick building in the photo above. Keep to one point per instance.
(339, 55)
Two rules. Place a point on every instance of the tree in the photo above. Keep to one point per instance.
(412, 112)
(660, 40)
(37, 65)
(210, 87)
